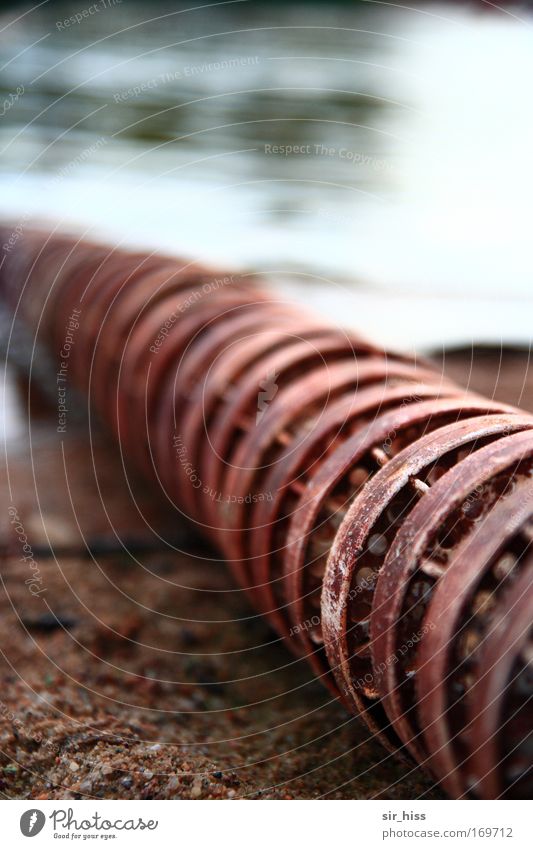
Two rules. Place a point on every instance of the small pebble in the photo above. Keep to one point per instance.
(377, 544)
(73, 766)
(48, 622)
(11, 769)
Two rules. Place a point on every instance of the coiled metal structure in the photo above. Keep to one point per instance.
(378, 515)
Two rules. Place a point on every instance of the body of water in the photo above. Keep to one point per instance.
(375, 160)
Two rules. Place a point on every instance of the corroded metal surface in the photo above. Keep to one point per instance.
(419, 556)
(459, 620)
(378, 515)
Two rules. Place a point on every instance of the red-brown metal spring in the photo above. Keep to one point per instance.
(378, 515)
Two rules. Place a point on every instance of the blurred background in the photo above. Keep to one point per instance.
(374, 159)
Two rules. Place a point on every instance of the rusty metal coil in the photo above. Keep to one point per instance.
(406, 580)
(380, 517)
(462, 615)
(501, 759)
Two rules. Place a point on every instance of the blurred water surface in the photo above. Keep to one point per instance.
(377, 159)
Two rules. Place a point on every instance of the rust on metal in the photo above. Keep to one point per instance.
(378, 515)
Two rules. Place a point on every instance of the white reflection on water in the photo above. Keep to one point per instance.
(411, 176)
